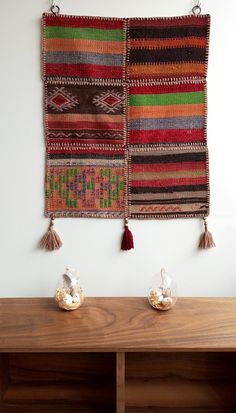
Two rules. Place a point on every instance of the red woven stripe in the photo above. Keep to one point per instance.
(167, 135)
(187, 21)
(85, 125)
(170, 182)
(84, 70)
(145, 90)
(168, 167)
(83, 22)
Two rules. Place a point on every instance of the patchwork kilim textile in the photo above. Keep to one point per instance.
(125, 116)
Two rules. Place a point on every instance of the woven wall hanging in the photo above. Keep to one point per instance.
(125, 119)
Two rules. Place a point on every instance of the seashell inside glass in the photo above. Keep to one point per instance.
(69, 295)
(162, 294)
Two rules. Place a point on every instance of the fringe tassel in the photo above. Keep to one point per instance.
(127, 240)
(51, 240)
(206, 240)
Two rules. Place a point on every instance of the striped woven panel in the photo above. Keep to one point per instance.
(84, 47)
(173, 113)
(168, 181)
(162, 48)
(125, 116)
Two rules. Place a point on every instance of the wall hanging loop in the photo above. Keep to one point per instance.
(196, 10)
(55, 9)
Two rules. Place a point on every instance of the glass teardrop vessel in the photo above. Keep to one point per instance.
(69, 295)
(162, 294)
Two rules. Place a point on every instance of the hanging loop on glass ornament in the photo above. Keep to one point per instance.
(55, 9)
(196, 10)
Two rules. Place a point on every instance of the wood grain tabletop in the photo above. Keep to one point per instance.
(117, 324)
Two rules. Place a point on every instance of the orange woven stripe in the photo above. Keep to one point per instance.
(160, 43)
(145, 176)
(137, 112)
(75, 117)
(78, 45)
(166, 69)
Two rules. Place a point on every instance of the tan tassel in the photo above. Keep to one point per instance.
(51, 240)
(206, 240)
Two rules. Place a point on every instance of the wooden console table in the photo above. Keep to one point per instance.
(118, 355)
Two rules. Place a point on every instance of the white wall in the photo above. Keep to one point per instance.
(93, 245)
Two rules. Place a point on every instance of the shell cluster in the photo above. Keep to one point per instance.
(161, 298)
(69, 296)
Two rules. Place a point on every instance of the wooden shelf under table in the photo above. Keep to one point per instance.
(118, 355)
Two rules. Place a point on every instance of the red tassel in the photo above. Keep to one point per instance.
(127, 240)
(51, 240)
(206, 240)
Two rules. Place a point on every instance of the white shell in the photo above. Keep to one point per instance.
(76, 298)
(68, 299)
(166, 301)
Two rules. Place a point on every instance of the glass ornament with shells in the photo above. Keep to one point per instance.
(162, 294)
(69, 295)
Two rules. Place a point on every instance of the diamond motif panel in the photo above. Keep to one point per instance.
(86, 114)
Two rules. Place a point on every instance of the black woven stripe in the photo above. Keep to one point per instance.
(169, 201)
(169, 189)
(155, 214)
(187, 54)
(105, 156)
(175, 158)
(166, 32)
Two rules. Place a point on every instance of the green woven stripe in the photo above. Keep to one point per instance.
(52, 32)
(166, 99)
